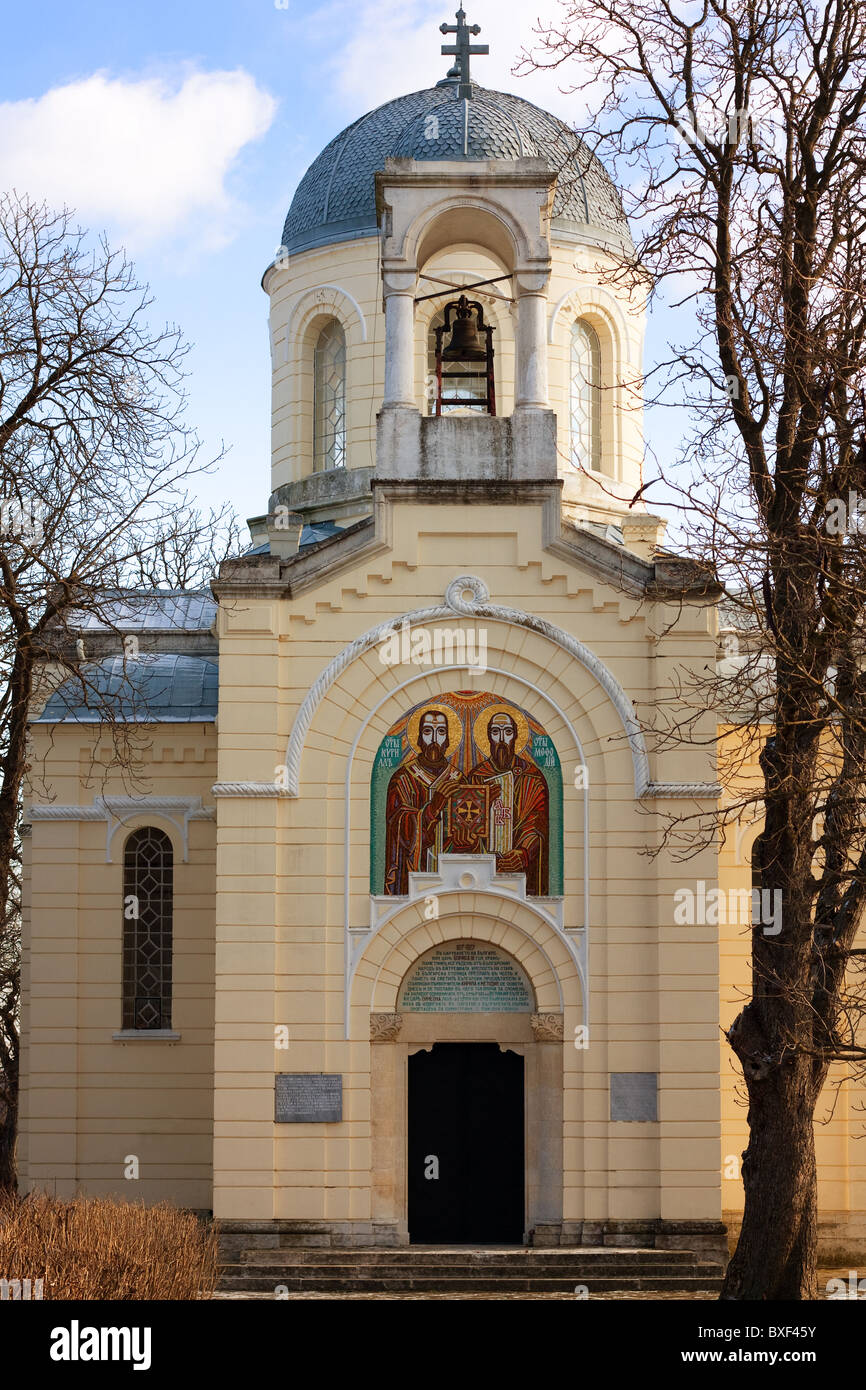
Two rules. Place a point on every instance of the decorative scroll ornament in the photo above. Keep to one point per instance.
(385, 1027)
(547, 1027)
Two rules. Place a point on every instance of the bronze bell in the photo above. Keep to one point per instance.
(465, 344)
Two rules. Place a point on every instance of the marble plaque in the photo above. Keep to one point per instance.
(634, 1096)
(308, 1097)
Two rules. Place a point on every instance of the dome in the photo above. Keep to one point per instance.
(336, 198)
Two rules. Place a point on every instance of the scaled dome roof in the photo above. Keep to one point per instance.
(336, 198)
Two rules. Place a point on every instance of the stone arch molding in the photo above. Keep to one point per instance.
(332, 300)
(746, 833)
(409, 241)
(594, 299)
(457, 873)
(383, 960)
(468, 597)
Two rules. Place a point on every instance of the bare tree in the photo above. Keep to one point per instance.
(737, 129)
(10, 987)
(96, 464)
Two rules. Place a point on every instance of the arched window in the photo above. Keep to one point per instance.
(585, 396)
(148, 871)
(329, 398)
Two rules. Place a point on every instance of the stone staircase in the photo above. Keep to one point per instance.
(463, 1270)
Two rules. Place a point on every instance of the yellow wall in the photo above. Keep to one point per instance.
(281, 864)
(89, 1102)
(270, 950)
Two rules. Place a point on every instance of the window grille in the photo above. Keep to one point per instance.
(585, 397)
(148, 872)
(329, 398)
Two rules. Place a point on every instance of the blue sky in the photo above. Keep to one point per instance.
(182, 129)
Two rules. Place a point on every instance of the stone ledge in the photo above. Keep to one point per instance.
(489, 448)
(333, 490)
(146, 1035)
(705, 1238)
(283, 1233)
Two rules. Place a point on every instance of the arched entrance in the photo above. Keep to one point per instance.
(489, 1112)
(466, 1123)
(466, 1145)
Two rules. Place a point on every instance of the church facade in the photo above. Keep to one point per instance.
(386, 949)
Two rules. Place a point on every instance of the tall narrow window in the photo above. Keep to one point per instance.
(148, 872)
(585, 403)
(329, 398)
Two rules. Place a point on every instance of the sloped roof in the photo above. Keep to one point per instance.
(148, 689)
(157, 610)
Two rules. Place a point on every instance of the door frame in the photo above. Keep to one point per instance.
(389, 1111)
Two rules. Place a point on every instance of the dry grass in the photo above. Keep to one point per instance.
(100, 1248)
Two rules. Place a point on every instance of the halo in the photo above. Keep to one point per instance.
(479, 728)
(455, 726)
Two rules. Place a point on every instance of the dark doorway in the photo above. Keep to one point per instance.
(466, 1145)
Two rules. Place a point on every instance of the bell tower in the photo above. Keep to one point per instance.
(454, 192)
(500, 208)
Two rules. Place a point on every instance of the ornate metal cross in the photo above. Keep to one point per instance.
(462, 49)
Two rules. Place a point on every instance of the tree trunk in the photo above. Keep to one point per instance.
(776, 1252)
(8, 1131)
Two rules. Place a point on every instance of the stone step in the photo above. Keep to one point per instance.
(436, 1282)
(279, 1271)
(493, 1269)
(458, 1270)
(413, 1255)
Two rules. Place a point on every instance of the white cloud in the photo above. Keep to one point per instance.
(392, 47)
(147, 158)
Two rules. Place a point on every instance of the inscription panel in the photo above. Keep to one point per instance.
(466, 978)
(308, 1097)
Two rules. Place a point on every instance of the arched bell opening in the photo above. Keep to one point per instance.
(480, 380)
(467, 225)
